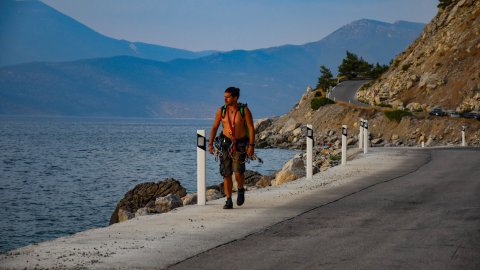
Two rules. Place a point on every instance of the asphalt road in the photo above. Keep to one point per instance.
(346, 90)
(427, 219)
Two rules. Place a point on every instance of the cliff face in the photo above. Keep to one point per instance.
(441, 68)
(327, 121)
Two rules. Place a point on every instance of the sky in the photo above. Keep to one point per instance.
(225, 25)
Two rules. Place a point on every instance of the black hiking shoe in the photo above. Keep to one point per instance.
(228, 204)
(241, 196)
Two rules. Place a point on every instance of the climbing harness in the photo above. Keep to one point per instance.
(232, 130)
(240, 108)
(223, 146)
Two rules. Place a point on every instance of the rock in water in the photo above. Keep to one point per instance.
(143, 194)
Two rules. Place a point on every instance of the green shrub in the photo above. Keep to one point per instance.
(397, 115)
(406, 66)
(319, 102)
(444, 3)
(394, 63)
(335, 157)
(318, 93)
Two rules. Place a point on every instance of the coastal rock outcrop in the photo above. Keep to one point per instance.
(292, 170)
(144, 195)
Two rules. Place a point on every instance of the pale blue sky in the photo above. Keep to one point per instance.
(234, 24)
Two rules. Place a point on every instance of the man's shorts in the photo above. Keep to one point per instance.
(232, 161)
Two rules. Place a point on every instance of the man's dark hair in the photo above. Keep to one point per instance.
(234, 91)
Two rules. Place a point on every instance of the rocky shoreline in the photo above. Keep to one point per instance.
(163, 196)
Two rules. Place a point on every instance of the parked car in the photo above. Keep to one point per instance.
(474, 115)
(453, 114)
(437, 112)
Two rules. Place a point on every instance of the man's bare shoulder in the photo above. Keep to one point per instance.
(248, 112)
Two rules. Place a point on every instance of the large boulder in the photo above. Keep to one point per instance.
(431, 80)
(264, 181)
(213, 194)
(415, 107)
(289, 126)
(292, 170)
(252, 177)
(190, 199)
(262, 124)
(145, 194)
(168, 203)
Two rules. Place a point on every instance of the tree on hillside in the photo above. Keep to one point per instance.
(352, 66)
(444, 3)
(325, 81)
(377, 70)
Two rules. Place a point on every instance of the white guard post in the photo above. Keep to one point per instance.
(201, 166)
(365, 136)
(423, 144)
(360, 135)
(463, 136)
(344, 144)
(309, 166)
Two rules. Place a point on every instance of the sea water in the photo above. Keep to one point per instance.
(59, 176)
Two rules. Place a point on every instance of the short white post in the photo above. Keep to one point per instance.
(360, 135)
(463, 136)
(423, 144)
(365, 136)
(309, 166)
(344, 144)
(201, 166)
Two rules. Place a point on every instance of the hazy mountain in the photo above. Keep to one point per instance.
(375, 41)
(32, 31)
(271, 80)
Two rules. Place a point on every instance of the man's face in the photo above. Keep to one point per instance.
(229, 100)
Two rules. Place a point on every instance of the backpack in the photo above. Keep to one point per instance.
(241, 108)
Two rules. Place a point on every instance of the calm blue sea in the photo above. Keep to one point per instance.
(59, 176)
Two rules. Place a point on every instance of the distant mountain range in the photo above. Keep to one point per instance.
(32, 31)
(271, 79)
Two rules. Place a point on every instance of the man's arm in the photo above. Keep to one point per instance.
(213, 133)
(251, 132)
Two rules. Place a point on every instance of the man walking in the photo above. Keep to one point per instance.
(236, 142)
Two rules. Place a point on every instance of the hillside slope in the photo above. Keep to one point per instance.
(286, 131)
(441, 68)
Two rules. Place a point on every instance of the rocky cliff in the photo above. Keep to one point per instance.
(440, 69)
(410, 130)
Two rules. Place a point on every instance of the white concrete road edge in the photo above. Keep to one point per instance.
(158, 241)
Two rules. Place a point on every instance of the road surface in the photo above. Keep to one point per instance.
(427, 219)
(403, 208)
(346, 90)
